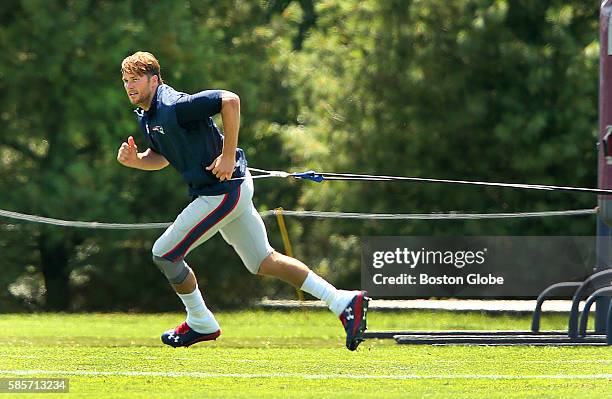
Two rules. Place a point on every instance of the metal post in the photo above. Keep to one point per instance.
(604, 219)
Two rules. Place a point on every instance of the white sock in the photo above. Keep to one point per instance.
(199, 317)
(336, 300)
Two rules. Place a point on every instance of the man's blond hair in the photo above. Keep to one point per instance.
(142, 63)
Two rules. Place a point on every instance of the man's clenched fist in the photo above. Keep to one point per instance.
(128, 152)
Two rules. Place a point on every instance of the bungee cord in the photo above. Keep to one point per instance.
(303, 214)
(322, 176)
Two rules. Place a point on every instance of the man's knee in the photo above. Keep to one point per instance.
(176, 272)
(267, 265)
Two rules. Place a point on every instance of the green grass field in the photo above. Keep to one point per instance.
(299, 354)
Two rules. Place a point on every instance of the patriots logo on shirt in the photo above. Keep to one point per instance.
(158, 129)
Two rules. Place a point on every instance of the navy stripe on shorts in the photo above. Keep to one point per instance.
(229, 202)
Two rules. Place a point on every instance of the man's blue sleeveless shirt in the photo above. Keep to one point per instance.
(189, 146)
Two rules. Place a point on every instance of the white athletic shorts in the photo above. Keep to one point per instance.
(233, 214)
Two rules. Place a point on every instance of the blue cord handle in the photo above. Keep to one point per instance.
(309, 175)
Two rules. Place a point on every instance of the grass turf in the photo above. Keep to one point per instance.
(299, 354)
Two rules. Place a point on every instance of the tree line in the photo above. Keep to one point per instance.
(494, 90)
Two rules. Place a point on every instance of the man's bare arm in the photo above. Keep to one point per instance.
(129, 156)
(223, 166)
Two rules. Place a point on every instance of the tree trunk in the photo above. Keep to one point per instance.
(54, 256)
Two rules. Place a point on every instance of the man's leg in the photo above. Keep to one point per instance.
(285, 268)
(296, 273)
(188, 286)
(196, 224)
(350, 306)
(247, 234)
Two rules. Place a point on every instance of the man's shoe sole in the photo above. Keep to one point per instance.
(207, 337)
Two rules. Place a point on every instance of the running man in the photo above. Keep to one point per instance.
(179, 131)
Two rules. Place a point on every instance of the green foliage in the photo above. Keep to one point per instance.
(469, 89)
(474, 90)
(65, 114)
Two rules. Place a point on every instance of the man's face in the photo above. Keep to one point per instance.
(139, 88)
